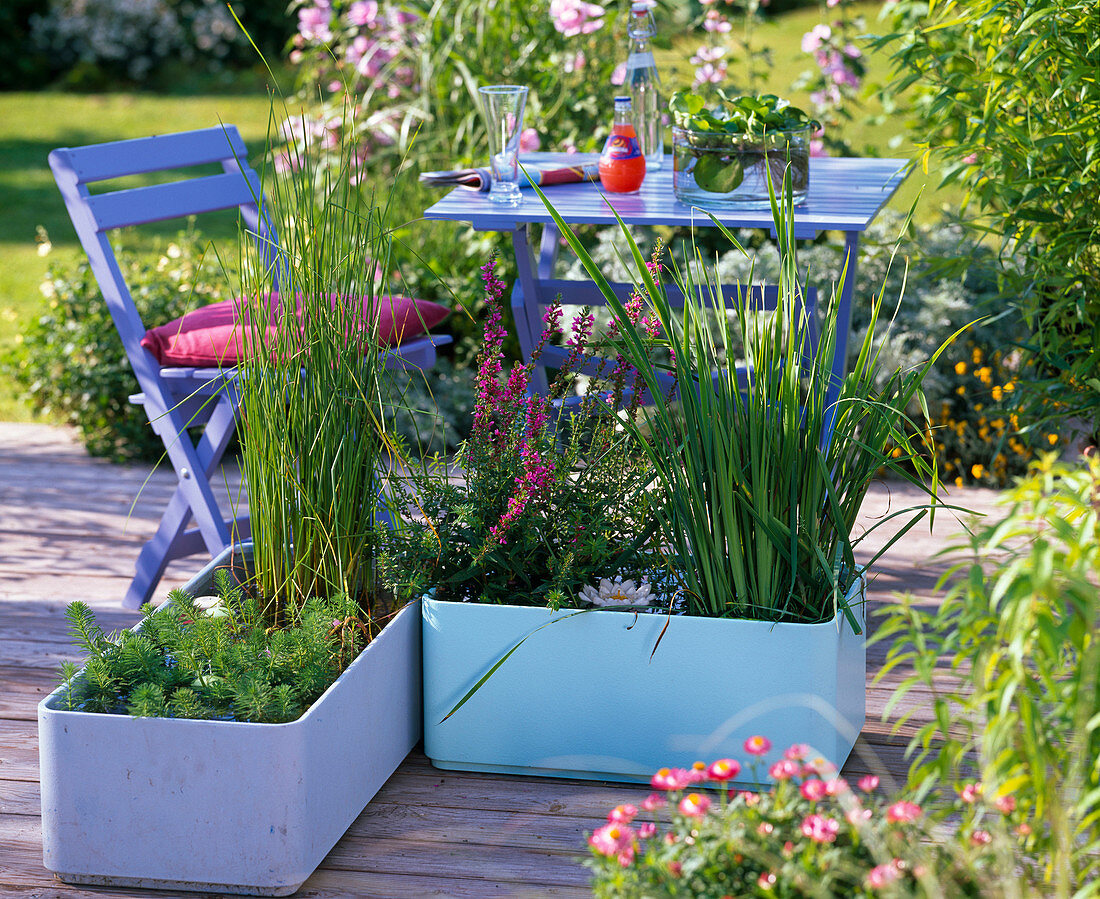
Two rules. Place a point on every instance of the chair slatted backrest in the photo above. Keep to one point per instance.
(96, 214)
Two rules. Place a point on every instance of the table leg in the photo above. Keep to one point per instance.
(548, 250)
(843, 329)
(527, 297)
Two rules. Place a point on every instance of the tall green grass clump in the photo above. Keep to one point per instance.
(314, 390)
(762, 467)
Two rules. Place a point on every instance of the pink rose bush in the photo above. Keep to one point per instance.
(809, 834)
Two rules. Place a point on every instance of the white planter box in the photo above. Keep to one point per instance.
(582, 697)
(226, 806)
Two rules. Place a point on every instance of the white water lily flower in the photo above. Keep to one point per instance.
(618, 594)
(212, 606)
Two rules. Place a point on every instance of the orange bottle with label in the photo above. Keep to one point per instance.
(622, 165)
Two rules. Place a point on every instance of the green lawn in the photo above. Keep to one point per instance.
(31, 124)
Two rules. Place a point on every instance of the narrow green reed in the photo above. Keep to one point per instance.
(762, 466)
(314, 389)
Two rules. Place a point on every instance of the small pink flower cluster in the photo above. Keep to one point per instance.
(492, 352)
(840, 69)
(528, 493)
(881, 876)
(529, 140)
(807, 788)
(367, 39)
(618, 840)
(314, 22)
(500, 412)
(537, 477)
(710, 65)
(573, 17)
(354, 49)
(971, 794)
(622, 372)
(809, 824)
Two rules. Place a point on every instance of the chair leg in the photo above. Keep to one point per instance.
(194, 465)
(157, 552)
(169, 543)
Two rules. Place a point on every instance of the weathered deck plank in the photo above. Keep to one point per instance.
(69, 528)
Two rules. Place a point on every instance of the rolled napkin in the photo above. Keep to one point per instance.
(542, 173)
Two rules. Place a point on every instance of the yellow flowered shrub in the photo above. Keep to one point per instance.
(946, 281)
(977, 439)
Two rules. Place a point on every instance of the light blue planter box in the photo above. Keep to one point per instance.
(225, 806)
(583, 698)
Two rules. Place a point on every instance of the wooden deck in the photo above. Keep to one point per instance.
(67, 532)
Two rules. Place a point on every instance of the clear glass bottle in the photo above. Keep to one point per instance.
(644, 84)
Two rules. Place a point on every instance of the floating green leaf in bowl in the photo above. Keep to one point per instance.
(718, 147)
(737, 115)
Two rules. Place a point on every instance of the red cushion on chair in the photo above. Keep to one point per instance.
(212, 335)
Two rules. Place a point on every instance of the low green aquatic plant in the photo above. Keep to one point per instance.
(213, 659)
(748, 115)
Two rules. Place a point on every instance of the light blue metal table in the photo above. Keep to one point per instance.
(845, 195)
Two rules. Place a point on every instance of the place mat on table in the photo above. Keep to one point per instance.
(543, 174)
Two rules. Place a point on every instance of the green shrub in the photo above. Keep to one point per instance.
(93, 44)
(1006, 101)
(70, 362)
(1018, 707)
(24, 68)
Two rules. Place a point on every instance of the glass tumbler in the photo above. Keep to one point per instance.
(503, 106)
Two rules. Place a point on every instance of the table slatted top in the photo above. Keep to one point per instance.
(845, 195)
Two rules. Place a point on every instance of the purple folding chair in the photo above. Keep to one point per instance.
(177, 398)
